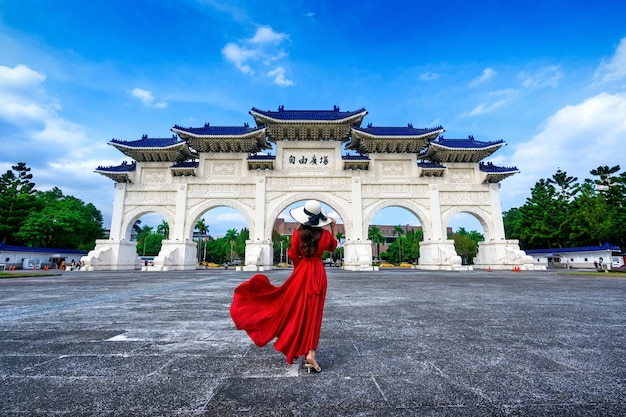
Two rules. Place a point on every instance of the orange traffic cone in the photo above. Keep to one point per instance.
(489, 269)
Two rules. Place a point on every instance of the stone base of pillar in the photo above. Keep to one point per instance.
(504, 254)
(440, 256)
(259, 255)
(175, 256)
(112, 255)
(358, 255)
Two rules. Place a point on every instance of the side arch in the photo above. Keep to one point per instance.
(193, 215)
(131, 217)
(484, 218)
(416, 210)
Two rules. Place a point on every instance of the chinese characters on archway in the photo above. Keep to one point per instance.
(308, 160)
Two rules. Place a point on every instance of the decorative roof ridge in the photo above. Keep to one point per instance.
(186, 164)
(262, 157)
(382, 130)
(124, 167)
(465, 142)
(146, 142)
(490, 167)
(355, 157)
(334, 114)
(430, 164)
(207, 125)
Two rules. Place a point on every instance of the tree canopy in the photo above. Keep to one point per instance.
(44, 218)
(564, 213)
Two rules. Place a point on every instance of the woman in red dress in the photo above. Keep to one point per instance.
(291, 313)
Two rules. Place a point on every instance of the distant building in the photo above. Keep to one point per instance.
(24, 257)
(582, 257)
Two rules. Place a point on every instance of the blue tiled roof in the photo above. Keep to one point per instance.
(606, 246)
(262, 158)
(469, 143)
(186, 164)
(430, 165)
(408, 130)
(329, 115)
(490, 167)
(209, 130)
(124, 167)
(146, 142)
(355, 158)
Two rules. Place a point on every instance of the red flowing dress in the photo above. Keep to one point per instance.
(292, 313)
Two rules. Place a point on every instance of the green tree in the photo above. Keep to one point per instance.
(231, 237)
(143, 236)
(164, 229)
(62, 222)
(466, 244)
(540, 225)
(203, 231)
(376, 236)
(17, 200)
(400, 232)
(512, 220)
(412, 240)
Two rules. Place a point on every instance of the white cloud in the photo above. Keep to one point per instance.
(488, 73)
(20, 77)
(613, 69)
(483, 108)
(265, 35)
(429, 76)
(544, 77)
(278, 74)
(146, 97)
(576, 139)
(263, 49)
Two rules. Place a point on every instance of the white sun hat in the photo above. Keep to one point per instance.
(311, 214)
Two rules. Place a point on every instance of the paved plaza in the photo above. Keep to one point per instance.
(394, 343)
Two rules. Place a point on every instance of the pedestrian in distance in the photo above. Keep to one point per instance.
(292, 312)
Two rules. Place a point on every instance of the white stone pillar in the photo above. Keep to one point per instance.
(357, 211)
(496, 210)
(259, 211)
(116, 232)
(435, 214)
(180, 216)
(259, 249)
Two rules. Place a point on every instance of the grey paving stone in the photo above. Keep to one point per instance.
(393, 343)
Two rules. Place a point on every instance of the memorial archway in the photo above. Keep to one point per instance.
(324, 155)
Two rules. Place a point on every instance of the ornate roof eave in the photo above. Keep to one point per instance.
(365, 142)
(184, 169)
(431, 169)
(268, 117)
(471, 151)
(355, 162)
(120, 173)
(249, 142)
(175, 152)
(495, 174)
(261, 162)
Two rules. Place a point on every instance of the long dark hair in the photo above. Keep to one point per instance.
(310, 238)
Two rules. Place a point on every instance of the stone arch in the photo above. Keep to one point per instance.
(132, 216)
(416, 210)
(477, 213)
(326, 198)
(196, 213)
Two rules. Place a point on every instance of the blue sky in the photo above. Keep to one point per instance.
(548, 77)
